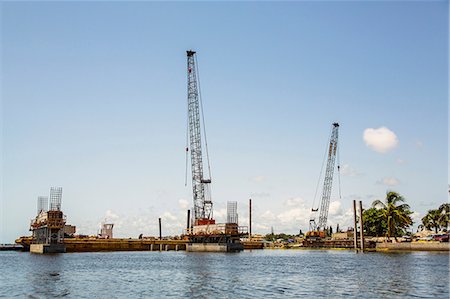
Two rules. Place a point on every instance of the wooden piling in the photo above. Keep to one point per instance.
(188, 225)
(355, 231)
(361, 226)
(160, 232)
(250, 219)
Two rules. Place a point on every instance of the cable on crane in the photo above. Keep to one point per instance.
(187, 150)
(203, 117)
(187, 138)
(320, 175)
(339, 169)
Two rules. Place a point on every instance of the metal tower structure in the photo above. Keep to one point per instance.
(232, 215)
(328, 182)
(42, 205)
(55, 198)
(200, 184)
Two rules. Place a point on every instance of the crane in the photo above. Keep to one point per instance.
(316, 229)
(205, 234)
(200, 184)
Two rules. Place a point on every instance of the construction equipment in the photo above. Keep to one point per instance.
(205, 234)
(319, 229)
(48, 226)
(200, 184)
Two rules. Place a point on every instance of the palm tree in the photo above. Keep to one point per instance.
(395, 212)
(444, 209)
(433, 219)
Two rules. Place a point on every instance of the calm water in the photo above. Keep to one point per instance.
(249, 274)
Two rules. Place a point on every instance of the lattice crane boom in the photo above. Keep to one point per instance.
(200, 184)
(328, 182)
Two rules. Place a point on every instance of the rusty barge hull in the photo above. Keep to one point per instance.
(96, 245)
(99, 245)
(347, 244)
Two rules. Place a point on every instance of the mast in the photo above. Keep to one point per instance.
(200, 184)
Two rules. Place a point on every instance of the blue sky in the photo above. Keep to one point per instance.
(94, 100)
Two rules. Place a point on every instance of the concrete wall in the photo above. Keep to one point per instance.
(207, 247)
(424, 246)
(214, 247)
(47, 248)
(88, 245)
(37, 248)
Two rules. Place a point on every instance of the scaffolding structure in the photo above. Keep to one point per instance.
(55, 198)
(232, 215)
(42, 204)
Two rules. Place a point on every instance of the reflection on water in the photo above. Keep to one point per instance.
(44, 276)
(249, 274)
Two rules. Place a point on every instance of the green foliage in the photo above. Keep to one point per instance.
(395, 213)
(445, 215)
(284, 237)
(437, 219)
(374, 222)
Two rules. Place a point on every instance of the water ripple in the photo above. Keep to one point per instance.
(249, 274)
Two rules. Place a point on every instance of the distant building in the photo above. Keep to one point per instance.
(342, 236)
(69, 230)
(106, 231)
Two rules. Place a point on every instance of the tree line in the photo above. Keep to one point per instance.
(392, 217)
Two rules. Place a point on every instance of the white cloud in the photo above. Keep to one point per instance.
(220, 214)
(168, 216)
(335, 208)
(293, 218)
(347, 170)
(294, 202)
(400, 161)
(183, 204)
(416, 217)
(260, 227)
(381, 140)
(111, 216)
(389, 181)
(342, 217)
(267, 216)
(296, 214)
(258, 179)
(260, 194)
